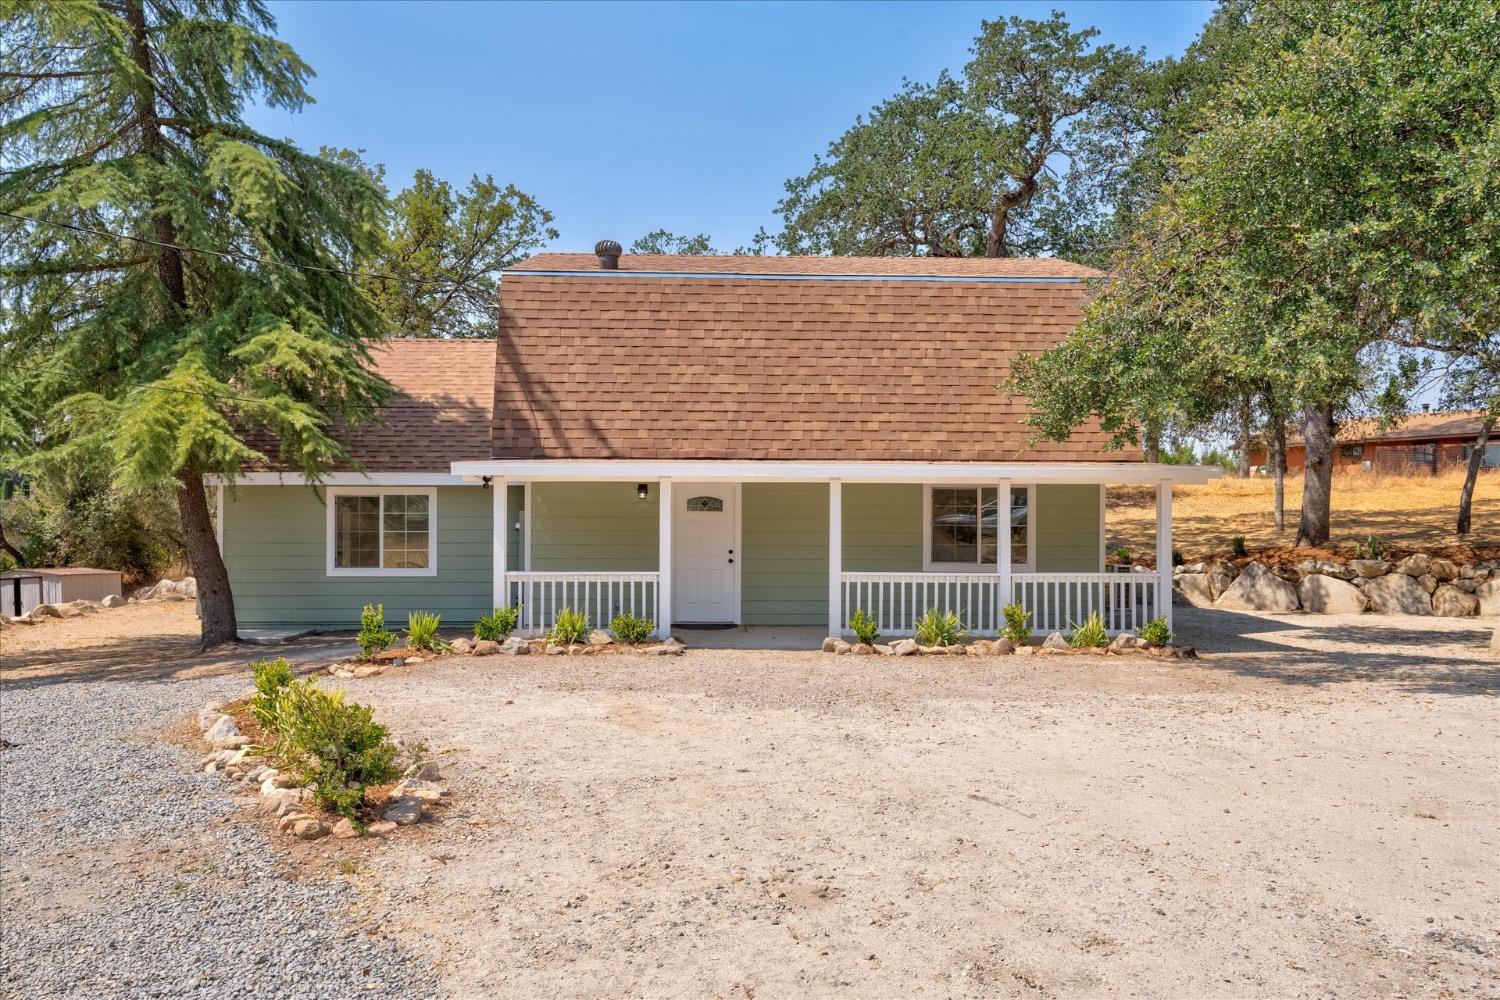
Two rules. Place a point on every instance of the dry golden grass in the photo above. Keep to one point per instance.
(1405, 512)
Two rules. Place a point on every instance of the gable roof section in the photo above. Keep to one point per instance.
(1412, 427)
(438, 413)
(690, 358)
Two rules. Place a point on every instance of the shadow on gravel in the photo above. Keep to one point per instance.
(1447, 656)
(154, 658)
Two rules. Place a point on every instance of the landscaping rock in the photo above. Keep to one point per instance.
(862, 649)
(486, 647)
(980, 647)
(884, 650)
(1055, 641)
(1195, 588)
(230, 742)
(1002, 647)
(1325, 595)
(933, 650)
(1122, 643)
(1417, 564)
(417, 788)
(309, 829)
(1397, 593)
(555, 649)
(904, 647)
(1443, 569)
(840, 647)
(44, 611)
(1427, 582)
(1258, 589)
(223, 726)
(670, 647)
(428, 770)
(367, 670)
(291, 818)
(1370, 568)
(1450, 602)
(598, 638)
(380, 828)
(187, 588)
(829, 643)
(345, 829)
(113, 601)
(1219, 582)
(403, 811)
(461, 646)
(209, 714)
(1488, 595)
(1190, 568)
(673, 644)
(515, 646)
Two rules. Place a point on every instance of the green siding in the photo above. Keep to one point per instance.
(592, 526)
(275, 545)
(1067, 528)
(882, 528)
(784, 578)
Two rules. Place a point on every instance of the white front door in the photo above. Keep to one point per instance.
(704, 576)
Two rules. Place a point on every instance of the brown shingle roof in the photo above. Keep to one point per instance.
(744, 368)
(439, 412)
(1412, 427)
(935, 267)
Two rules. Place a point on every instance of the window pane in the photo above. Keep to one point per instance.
(356, 538)
(405, 532)
(989, 520)
(955, 526)
(1019, 517)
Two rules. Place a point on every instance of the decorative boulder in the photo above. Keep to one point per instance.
(1488, 596)
(1428, 582)
(44, 611)
(113, 601)
(1450, 602)
(1443, 569)
(1258, 589)
(1121, 643)
(486, 647)
(463, 647)
(1417, 564)
(1370, 568)
(403, 811)
(1002, 647)
(1495, 641)
(841, 647)
(884, 650)
(1055, 641)
(1325, 595)
(829, 643)
(1219, 582)
(224, 726)
(1195, 588)
(598, 638)
(904, 647)
(1397, 594)
(515, 646)
(862, 649)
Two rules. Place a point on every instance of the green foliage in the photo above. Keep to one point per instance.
(864, 627)
(1177, 559)
(1237, 546)
(938, 628)
(1012, 158)
(1156, 632)
(1017, 624)
(334, 748)
(1122, 555)
(1372, 548)
(373, 635)
(629, 629)
(1090, 635)
(497, 624)
(422, 631)
(570, 627)
(270, 677)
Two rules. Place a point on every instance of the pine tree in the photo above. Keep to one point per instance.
(125, 117)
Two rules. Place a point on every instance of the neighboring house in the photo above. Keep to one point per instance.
(714, 440)
(1424, 443)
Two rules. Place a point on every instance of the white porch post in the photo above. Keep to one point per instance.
(501, 540)
(1164, 549)
(835, 557)
(1002, 555)
(663, 558)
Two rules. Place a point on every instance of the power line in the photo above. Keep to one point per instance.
(224, 254)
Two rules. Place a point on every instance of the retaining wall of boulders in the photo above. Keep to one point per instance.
(1419, 584)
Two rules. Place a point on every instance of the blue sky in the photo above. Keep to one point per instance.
(622, 118)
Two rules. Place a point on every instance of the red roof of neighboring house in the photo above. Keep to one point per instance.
(676, 357)
(1412, 427)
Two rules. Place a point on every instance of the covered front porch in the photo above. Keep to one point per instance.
(802, 546)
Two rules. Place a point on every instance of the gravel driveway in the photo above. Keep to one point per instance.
(123, 872)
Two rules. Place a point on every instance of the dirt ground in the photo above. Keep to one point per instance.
(1311, 810)
(1412, 511)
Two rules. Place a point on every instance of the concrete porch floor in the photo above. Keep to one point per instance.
(809, 637)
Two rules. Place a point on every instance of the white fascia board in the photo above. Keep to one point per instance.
(562, 470)
(343, 479)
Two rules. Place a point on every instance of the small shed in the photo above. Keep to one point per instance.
(23, 589)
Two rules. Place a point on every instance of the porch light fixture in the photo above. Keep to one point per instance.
(643, 491)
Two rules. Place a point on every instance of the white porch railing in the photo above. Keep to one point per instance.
(1057, 601)
(601, 596)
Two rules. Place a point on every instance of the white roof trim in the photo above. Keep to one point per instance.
(763, 276)
(343, 479)
(849, 472)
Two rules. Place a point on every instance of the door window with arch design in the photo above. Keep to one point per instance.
(705, 505)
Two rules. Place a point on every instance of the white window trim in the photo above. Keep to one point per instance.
(375, 491)
(928, 566)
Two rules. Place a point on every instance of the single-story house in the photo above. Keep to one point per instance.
(726, 440)
(1423, 443)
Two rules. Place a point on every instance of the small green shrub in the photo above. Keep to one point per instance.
(270, 677)
(1122, 556)
(1372, 548)
(629, 629)
(1017, 624)
(373, 635)
(1237, 546)
(336, 749)
(864, 627)
(1090, 634)
(422, 631)
(1156, 632)
(1177, 559)
(938, 628)
(571, 626)
(497, 624)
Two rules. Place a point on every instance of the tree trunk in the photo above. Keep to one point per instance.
(1245, 438)
(1278, 466)
(1317, 476)
(215, 602)
(1153, 444)
(10, 549)
(1476, 461)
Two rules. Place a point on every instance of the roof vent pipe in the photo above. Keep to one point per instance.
(609, 254)
(1426, 407)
